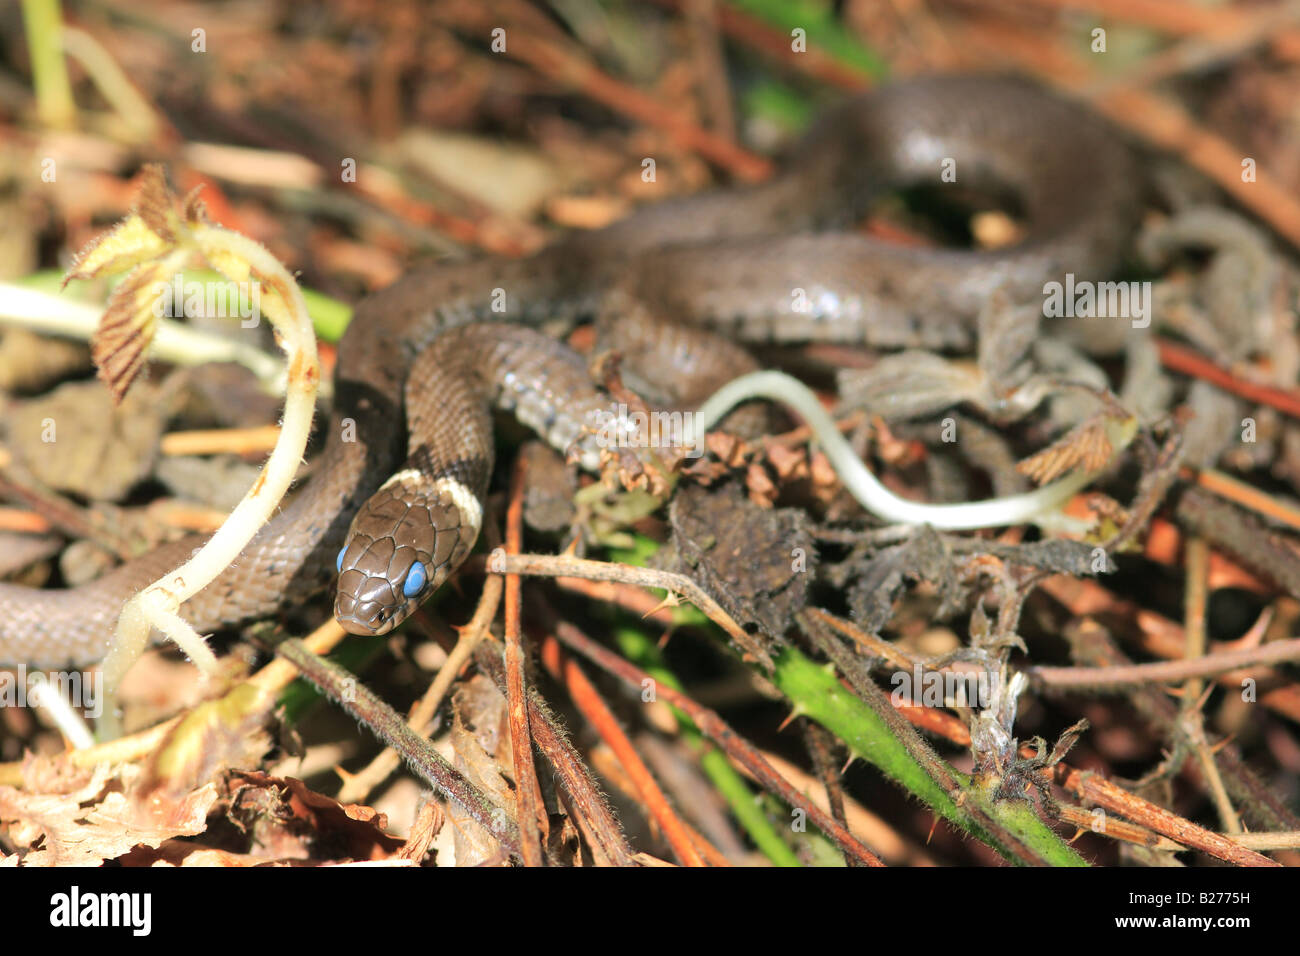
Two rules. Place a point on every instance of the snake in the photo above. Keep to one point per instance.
(396, 499)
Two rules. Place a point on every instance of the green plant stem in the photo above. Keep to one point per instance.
(1010, 827)
(641, 650)
(43, 22)
(823, 30)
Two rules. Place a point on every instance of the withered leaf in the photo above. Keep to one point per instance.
(910, 384)
(98, 821)
(154, 203)
(1005, 333)
(1086, 446)
(925, 556)
(127, 328)
(756, 562)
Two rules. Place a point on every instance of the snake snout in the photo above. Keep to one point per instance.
(373, 596)
(370, 604)
(365, 618)
(367, 610)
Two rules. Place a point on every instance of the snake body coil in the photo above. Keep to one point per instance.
(756, 264)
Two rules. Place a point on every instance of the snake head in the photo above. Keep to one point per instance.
(403, 543)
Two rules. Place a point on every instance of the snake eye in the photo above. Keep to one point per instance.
(339, 564)
(415, 579)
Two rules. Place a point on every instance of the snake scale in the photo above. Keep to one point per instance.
(396, 501)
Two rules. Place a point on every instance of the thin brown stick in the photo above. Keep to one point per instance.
(586, 803)
(563, 565)
(1158, 635)
(1187, 361)
(220, 441)
(1264, 551)
(1247, 496)
(1289, 840)
(1095, 789)
(715, 89)
(363, 704)
(529, 795)
(571, 67)
(1196, 558)
(821, 745)
(1210, 665)
(774, 44)
(1116, 829)
(588, 700)
(717, 730)
(1092, 645)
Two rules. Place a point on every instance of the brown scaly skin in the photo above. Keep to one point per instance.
(728, 260)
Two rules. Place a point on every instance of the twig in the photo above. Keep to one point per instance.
(220, 441)
(815, 61)
(1191, 721)
(1156, 635)
(1210, 665)
(563, 565)
(1116, 829)
(527, 791)
(821, 745)
(721, 733)
(359, 701)
(572, 68)
(1289, 840)
(588, 700)
(1187, 361)
(1196, 560)
(702, 22)
(638, 646)
(1092, 645)
(1246, 496)
(1095, 789)
(955, 805)
(587, 805)
(1243, 536)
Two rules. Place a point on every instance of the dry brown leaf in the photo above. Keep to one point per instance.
(292, 822)
(428, 824)
(761, 489)
(127, 327)
(1084, 446)
(99, 821)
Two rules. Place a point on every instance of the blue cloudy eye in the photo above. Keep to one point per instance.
(339, 563)
(414, 581)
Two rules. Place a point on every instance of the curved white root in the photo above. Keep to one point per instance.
(1036, 506)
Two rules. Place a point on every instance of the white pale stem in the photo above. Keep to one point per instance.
(158, 604)
(865, 487)
(173, 342)
(59, 709)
